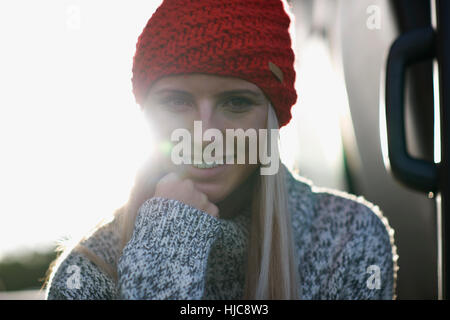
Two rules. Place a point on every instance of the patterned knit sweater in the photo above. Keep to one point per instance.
(345, 250)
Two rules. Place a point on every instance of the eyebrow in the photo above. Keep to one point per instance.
(218, 95)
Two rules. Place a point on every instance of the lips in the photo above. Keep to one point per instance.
(206, 165)
(206, 173)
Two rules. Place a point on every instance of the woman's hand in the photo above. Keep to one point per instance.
(171, 186)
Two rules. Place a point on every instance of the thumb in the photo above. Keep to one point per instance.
(169, 177)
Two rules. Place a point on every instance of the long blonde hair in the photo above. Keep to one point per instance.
(272, 262)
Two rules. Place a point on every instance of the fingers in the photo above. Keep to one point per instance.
(171, 176)
(212, 209)
(171, 186)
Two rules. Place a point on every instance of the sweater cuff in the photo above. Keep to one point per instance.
(175, 226)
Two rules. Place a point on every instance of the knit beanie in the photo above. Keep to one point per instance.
(247, 39)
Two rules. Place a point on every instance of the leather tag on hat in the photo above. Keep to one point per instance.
(276, 71)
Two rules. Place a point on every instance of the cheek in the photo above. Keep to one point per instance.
(260, 118)
(163, 124)
(257, 119)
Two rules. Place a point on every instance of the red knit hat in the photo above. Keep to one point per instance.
(247, 39)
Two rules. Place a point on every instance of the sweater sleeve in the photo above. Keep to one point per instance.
(366, 264)
(166, 257)
(78, 278)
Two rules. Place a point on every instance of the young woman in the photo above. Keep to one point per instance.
(226, 231)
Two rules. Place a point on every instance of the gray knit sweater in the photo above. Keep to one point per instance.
(344, 246)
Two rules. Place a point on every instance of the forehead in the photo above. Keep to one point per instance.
(197, 82)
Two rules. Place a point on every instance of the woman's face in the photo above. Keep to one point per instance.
(176, 101)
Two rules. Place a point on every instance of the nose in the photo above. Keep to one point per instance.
(209, 120)
(205, 114)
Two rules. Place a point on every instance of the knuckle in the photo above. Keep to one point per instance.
(214, 210)
(203, 198)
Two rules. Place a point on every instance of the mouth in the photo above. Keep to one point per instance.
(209, 171)
(228, 159)
(205, 165)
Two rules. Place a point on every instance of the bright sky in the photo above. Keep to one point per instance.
(71, 135)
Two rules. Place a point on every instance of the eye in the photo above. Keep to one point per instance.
(238, 104)
(175, 103)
